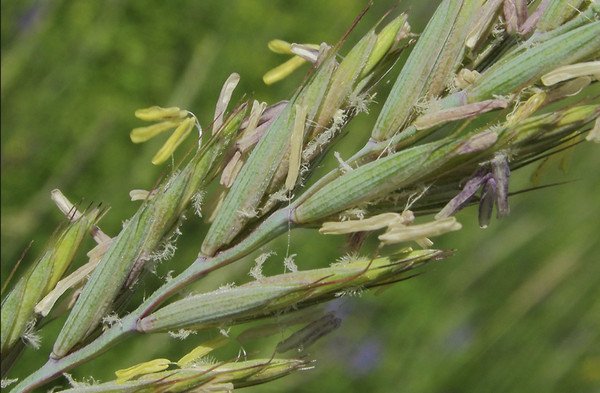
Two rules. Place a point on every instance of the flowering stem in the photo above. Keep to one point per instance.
(268, 230)
(54, 368)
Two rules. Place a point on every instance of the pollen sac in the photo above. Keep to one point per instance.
(470, 188)
(157, 113)
(143, 368)
(283, 70)
(301, 53)
(202, 350)
(501, 173)
(280, 46)
(486, 202)
(143, 134)
(168, 118)
(178, 136)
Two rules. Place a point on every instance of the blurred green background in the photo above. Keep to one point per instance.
(517, 309)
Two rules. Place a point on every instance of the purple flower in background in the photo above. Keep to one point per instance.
(366, 357)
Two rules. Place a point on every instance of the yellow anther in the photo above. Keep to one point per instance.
(300, 53)
(142, 134)
(524, 111)
(280, 46)
(202, 350)
(152, 366)
(180, 133)
(283, 70)
(157, 113)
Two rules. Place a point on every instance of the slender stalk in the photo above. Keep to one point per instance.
(202, 266)
(54, 368)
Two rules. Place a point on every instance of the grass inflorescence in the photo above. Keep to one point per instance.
(487, 88)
